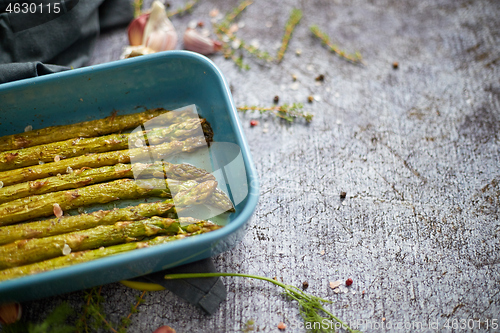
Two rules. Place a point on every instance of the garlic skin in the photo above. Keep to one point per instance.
(134, 51)
(159, 32)
(136, 29)
(196, 42)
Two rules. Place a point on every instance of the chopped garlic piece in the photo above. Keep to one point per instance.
(58, 212)
(66, 250)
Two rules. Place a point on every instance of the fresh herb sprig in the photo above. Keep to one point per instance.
(187, 8)
(352, 58)
(55, 322)
(92, 317)
(229, 18)
(310, 307)
(293, 20)
(242, 44)
(222, 30)
(285, 111)
(137, 4)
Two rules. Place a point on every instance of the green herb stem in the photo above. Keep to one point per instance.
(249, 48)
(236, 11)
(293, 20)
(285, 111)
(352, 58)
(183, 10)
(137, 4)
(309, 305)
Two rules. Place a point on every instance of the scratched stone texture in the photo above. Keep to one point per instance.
(416, 149)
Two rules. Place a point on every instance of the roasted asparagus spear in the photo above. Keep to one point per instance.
(28, 251)
(91, 128)
(76, 147)
(43, 205)
(55, 226)
(149, 154)
(86, 176)
(85, 256)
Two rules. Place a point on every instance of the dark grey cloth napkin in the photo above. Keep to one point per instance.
(35, 39)
(206, 293)
(34, 44)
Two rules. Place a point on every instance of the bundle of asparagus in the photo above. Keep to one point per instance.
(49, 171)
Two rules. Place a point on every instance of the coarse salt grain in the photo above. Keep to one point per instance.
(66, 250)
(41, 162)
(335, 284)
(255, 43)
(236, 44)
(57, 158)
(192, 24)
(28, 128)
(69, 170)
(1, 184)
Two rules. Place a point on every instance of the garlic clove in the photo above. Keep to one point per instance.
(164, 329)
(161, 39)
(136, 29)
(159, 32)
(196, 42)
(10, 313)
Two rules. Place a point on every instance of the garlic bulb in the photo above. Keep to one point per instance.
(153, 30)
(194, 41)
(159, 32)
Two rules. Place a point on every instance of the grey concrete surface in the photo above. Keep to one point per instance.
(416, 149)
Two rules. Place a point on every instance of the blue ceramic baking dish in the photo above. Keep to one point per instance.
(170, 80)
